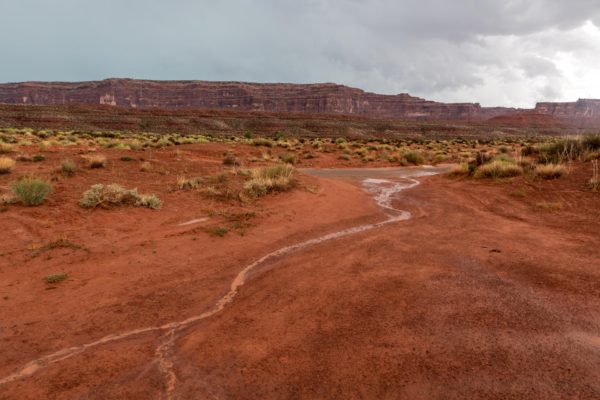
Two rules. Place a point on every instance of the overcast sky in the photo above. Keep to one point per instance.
(496, 52)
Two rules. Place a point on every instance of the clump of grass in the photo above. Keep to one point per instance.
(145, 166)
(38, 158)
(56, 278)
(288, 158)
(97, 161)
(31, 191)
(550, 171)
(6, 148)
(230, 160)
(414, 157)
(184, 183)
(126, 158)
(107, 196)
(346, 157)
(68, 167)
(498, 169)
(275, 178)
(263, 142)
(461, 169)
(6, 165)
(219, 231)
(61, 243)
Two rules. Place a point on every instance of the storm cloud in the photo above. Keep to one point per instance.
(511, 52)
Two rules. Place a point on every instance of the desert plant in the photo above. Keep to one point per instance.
(269, 179)
(126, 158)
(230, 160)
(461, 169)
(56, 278)
(6, 148)
(68, 167)
(145, 166)
(217, 231)
(288, 158)
(184, 183)
(111, 195)
(263, 142)
(414, 157)
(6, 165)
(97, 161)
(31, 191)
(550, 171)
(39, 158)
(498, 169)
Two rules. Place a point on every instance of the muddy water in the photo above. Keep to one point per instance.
(382, 183)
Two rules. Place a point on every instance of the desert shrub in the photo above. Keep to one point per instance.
(6, 148)
(498, 169)
(111, 195)
(345, 157)
(184, 183)
(591, 142)
(145, 166)
(39, 158)
(230, 160)
(461, 169)
(31, 191)
(97, 161)
(6, 165)
(68, 167)
(126, 158)
(414, 157)
(550, 171)
(564, 149)
(269, 179)
(263, 142)
(217, 231)
(56, 278)
(288, 158)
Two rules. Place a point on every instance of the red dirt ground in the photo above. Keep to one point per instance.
(491, 290)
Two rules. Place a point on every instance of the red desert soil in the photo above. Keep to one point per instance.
(491, 290)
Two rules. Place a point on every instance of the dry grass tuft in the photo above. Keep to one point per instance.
(107, 196)
(594, 182)
(97, 161)
(550, 171)
(461, 169)
(6, 148)
(6, 165)
(276, 178)
(498, 169)
(184, 183)
(31, 191)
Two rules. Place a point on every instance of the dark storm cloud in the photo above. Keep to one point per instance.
(446, 50)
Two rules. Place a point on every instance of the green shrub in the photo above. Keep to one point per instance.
(31, 191)
(39, 158)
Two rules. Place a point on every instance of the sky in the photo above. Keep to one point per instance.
(495, 52)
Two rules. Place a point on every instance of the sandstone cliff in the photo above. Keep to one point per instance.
(303, 98)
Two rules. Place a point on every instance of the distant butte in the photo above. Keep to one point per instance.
(327, 98)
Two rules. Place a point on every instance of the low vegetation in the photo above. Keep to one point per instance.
(56, 278)
(6, 165)
(112, 195)
(97, 161)
(68, 167)
(31, 191)
(550, 171)
(594, 182)
(499, 168)
(264, 180)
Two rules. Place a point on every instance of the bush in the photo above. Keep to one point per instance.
(263, 142)
(550, 171)
(68, 167)
(230, 160)
(6, 165)
(145, 166)
(461, 169)
(184, 183)
(31, 191)
(288, 158)
(39, 158)
(6, 148)
(56, 278)
(498, 169)
(269, 179)
(414, 157)
(107, 196)
(97, 161)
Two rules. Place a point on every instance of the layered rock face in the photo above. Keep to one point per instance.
(326, 98)
(311, 98)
